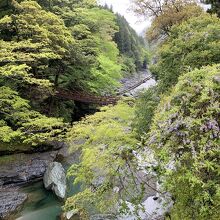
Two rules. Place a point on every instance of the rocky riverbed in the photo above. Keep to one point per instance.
(10, 202)
(17, 170)
(128, 82)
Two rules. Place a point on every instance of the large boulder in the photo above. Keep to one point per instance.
(10, 202)
(55, 179)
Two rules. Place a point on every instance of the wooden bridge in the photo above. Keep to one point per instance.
(85, 97)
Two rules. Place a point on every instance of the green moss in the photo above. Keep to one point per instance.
(14, 147)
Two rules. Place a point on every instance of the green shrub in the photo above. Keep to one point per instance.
(144, 111)
(192, 44)
(185, 135)
(105, 141)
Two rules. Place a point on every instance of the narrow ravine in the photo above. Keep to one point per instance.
(109, 110)
(43, 204)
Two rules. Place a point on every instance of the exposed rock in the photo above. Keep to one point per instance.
(55, 179)
(10, 202)
(56, 145)
(62, 154)
(127, 94)
(71, 215)
(217, 78)
(155, 208)
(128, 83)
(103, 217)
(24, 168)
(8, 149)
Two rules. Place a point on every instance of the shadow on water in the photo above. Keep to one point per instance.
(41, 204)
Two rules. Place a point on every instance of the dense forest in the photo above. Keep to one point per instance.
(47, 45)
(162, 144)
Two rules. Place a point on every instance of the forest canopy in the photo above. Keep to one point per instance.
(161, 144)
(50, 45)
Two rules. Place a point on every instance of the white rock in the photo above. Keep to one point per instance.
(71, 213)
(55, 179)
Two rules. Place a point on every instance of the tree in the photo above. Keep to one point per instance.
(176, 57)
(20, 125)
(144, 110)
(148, 7)
(215, 6)
(35, 39)
(185, 138)
(131, 46)
(107, 165)
(165, 14)
(65, 44)
(26, 53)
(58, 4)
(93, 29)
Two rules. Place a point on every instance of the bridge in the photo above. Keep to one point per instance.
(85, 97)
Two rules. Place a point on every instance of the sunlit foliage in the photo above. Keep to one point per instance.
(106, 142)
(177, 57)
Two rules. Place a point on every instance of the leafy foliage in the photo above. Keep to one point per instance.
(130, 45)
(108, 69)
(185, 137)
(26, 51)
(144, 110)
(20, 124)
(93, 29)
(106, 142)
(177, 57)
(49, 44)
(165, 14)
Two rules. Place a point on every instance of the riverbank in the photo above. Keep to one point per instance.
(41, 204)
(28, 169)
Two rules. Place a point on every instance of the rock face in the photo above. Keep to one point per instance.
(103, 217)
(71, 215)
(16, 170)
(129, 82)
(55, 179)
(10, 202)
(24, 168)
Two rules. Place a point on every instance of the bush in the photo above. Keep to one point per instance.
(185, 137)
(193, 44)
(144, 111)
(106, 142)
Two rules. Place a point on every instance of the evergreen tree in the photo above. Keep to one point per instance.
(129, 43)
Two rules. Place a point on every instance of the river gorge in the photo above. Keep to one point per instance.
(21, 176)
